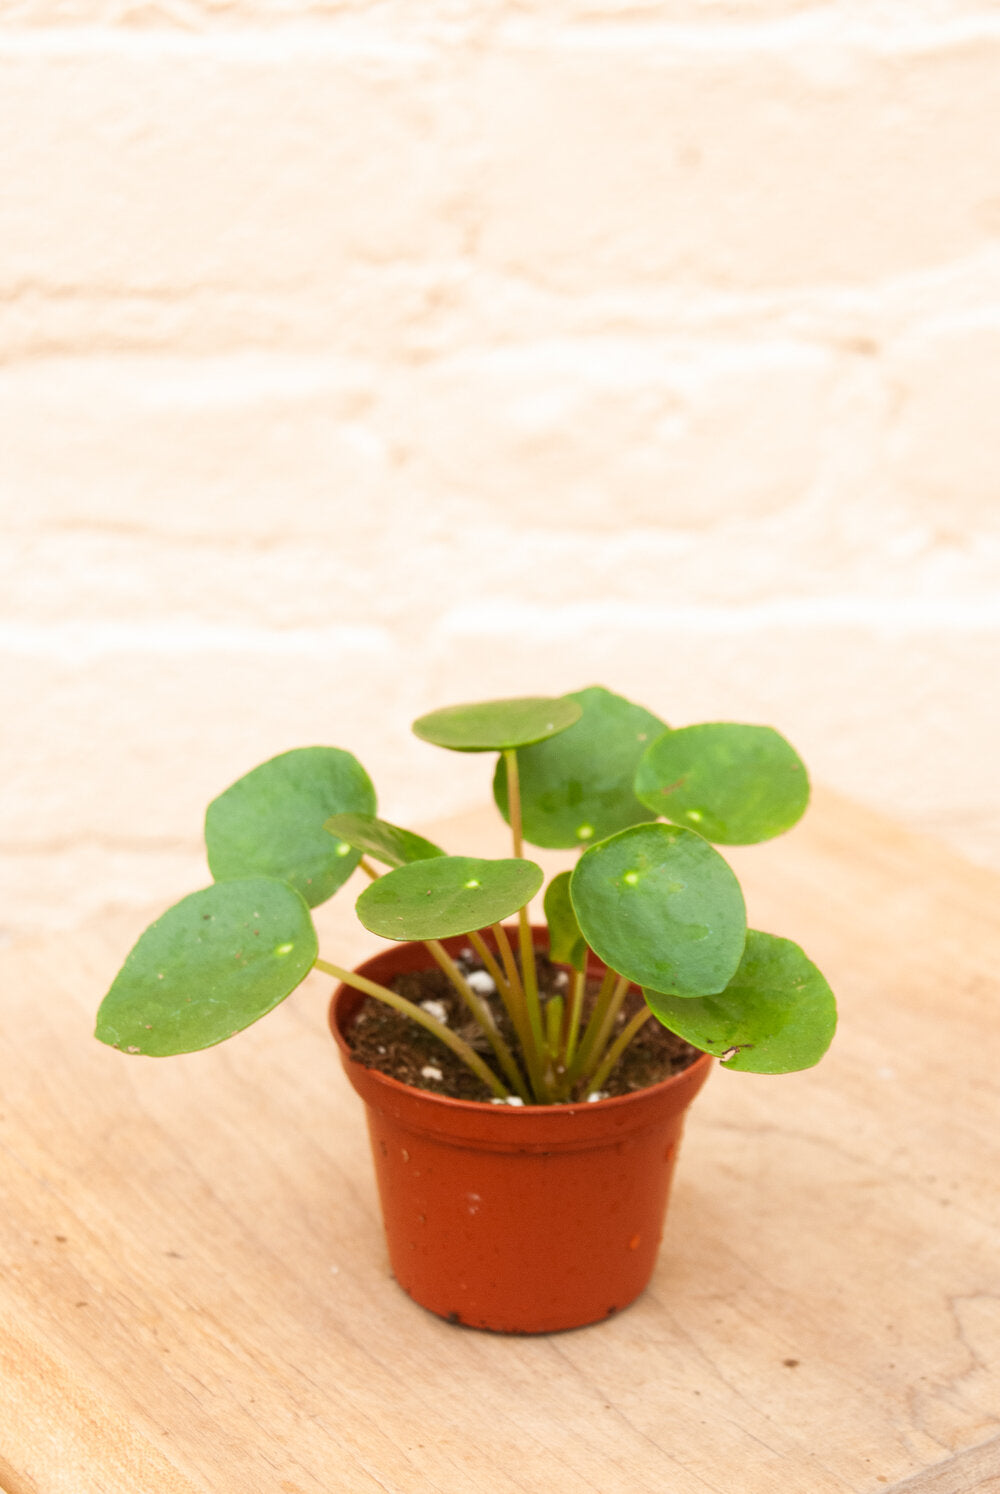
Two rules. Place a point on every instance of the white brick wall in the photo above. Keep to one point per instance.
(355, 358)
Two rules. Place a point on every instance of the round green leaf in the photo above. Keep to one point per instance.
(214, 963)
(733, 784)
(449, 895)
(270, 822)
(497, 725)
(567, 945)
(387, 843)
(776, 1015)
(657, 904)
(579, 786)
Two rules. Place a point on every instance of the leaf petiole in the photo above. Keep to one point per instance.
(458, 1046)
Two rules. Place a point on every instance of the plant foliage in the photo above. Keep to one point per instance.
(644, 805)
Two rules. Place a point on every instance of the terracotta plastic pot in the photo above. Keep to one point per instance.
(524, 1219)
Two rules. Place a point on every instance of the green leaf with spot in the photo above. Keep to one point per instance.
(733, 784)
(448, 895)
(567, 946)
(777, 1011)
(659, 905)
(387, 843)
(271, 821)
(214, 963)
(578, 787)
(497, 725)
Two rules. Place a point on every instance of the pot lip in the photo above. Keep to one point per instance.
(446, 1104)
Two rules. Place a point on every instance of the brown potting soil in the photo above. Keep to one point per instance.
(391, 1042)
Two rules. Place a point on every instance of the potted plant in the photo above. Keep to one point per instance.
(525, 1099)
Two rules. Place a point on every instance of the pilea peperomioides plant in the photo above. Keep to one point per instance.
(649, 896)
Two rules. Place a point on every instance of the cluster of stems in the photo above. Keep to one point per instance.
(558, 1057)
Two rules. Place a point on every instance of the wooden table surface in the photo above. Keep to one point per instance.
(194, 1296)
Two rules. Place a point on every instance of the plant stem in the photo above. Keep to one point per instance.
(588, 1043)
(506, 981)
(575, 1008)
(553, 1026)
(458, 1046)
(488, 958)
(603, 1032)
(514, 799)
(529, 974)
(367, 867)
(507, 955)
(517, 1008)
(617, 1048)
(481, 1014)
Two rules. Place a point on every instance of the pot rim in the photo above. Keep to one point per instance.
(628, 1112)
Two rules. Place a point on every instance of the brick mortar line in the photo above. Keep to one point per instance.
(953, 614)
(781, 37)
(87, 642)
(709, 311)
(107, 844)
(252, 44)
(273, 373)
(254, 372)
(775, 35)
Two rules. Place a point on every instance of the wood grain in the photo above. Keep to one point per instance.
(193, 1289)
